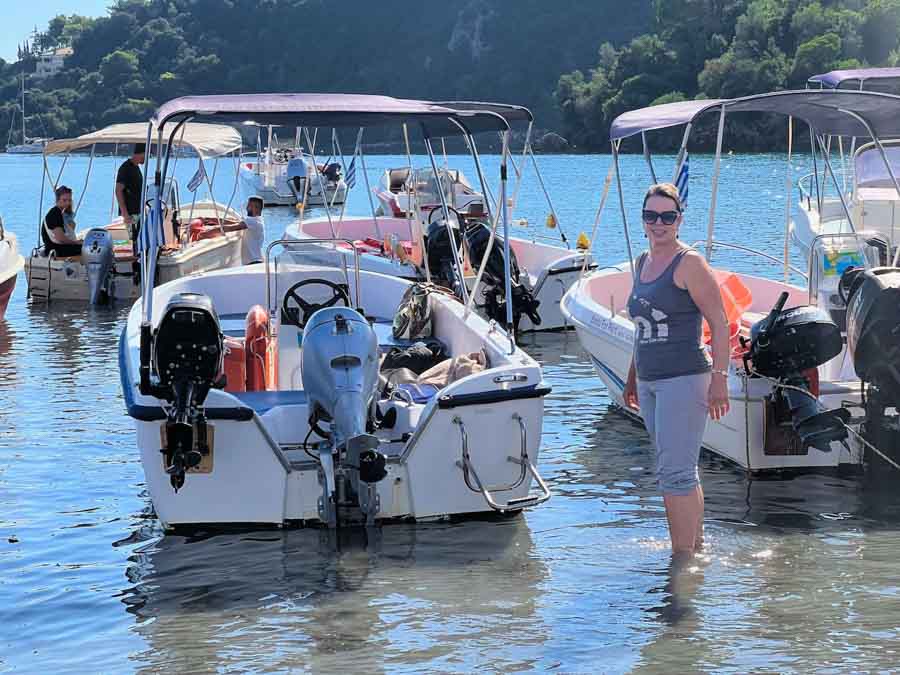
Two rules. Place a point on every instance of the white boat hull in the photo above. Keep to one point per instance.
(271, 185)
(51, 278)
(607, 336)
(261, 475)
(11, 263)
(549, 270)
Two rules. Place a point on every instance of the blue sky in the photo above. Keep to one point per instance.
(21, 16)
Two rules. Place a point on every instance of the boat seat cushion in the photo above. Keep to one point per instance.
(263, 401)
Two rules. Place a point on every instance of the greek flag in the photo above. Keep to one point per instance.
(682, 181)
(350, 178)
(198, 178)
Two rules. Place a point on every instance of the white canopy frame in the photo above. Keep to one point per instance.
(207, 140)
(757, 104)
(309, 110)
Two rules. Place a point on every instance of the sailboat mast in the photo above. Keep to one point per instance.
(23, 110)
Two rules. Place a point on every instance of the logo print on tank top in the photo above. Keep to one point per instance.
(652, 326)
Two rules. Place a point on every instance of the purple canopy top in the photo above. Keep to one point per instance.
(832, 112)
(331, 110)
(511, 113)
(836, 78)
(659, 117)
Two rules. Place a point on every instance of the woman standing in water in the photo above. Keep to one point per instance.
(670, 375)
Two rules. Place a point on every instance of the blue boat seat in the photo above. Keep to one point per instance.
(263, 401)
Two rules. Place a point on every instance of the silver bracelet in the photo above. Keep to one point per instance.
(720, 372)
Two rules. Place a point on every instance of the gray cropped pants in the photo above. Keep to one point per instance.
(675, 413)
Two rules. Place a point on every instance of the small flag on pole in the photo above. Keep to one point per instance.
(682, 181)
(350, 178)
(198, 178)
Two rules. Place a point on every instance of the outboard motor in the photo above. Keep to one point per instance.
(873, 341)
(339, 365)
(97, 254)
(440, 256)
(494, 290)
(332, 172)
(296, 174)
(782, 347)
(188, 358)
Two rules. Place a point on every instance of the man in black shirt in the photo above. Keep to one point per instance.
(129, 182)
(58, 232)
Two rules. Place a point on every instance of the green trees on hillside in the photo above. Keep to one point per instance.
(723, 49)
(144, 52)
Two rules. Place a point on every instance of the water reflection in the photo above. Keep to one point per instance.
(800, 572)
(358, 598)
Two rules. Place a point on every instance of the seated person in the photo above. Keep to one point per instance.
(58, 232)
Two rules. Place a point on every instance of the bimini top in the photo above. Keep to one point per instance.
(330, 110)
(659, 117)
(829, 112)
(209, 140)
(857, 78)
(511, 113)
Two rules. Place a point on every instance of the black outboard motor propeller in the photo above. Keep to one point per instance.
(784, 345)
(187, 357)
(873, 341)
(494, 290)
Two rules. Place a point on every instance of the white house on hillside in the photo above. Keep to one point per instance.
(50, 63)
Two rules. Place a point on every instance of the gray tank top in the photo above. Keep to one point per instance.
(668, 326)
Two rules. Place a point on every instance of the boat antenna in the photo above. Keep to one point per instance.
(510, 327)
(717, 164)
(365, 173)
(456, 260)
(615, 154)
(412, 207)
(787, 202)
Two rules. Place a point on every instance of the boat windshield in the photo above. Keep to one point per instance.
(870, 168)
(425, 184)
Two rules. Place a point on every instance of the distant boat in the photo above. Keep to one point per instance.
(28, 146)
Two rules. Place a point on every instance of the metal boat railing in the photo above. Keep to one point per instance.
(296, 243)
(747, 249)
(526, 466)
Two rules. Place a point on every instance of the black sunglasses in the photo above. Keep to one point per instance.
(667, 217)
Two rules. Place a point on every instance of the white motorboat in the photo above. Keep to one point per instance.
(867, 172)
(199, 236)
(303, 430)
(397, 237)
(286, 176)
(404, 190)
(792, 381)
(11, 263)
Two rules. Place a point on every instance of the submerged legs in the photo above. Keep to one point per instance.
(685, 516)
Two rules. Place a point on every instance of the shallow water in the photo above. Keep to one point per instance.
(799, 573)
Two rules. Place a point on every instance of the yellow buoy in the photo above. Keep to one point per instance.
(583, 243)
(299, 206)
(551, 221)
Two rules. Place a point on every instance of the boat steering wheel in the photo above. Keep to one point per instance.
(299, 316)
(460, 218)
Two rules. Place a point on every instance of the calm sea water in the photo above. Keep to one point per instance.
(800, 572)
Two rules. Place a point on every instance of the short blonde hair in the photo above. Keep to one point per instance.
(667, 190)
